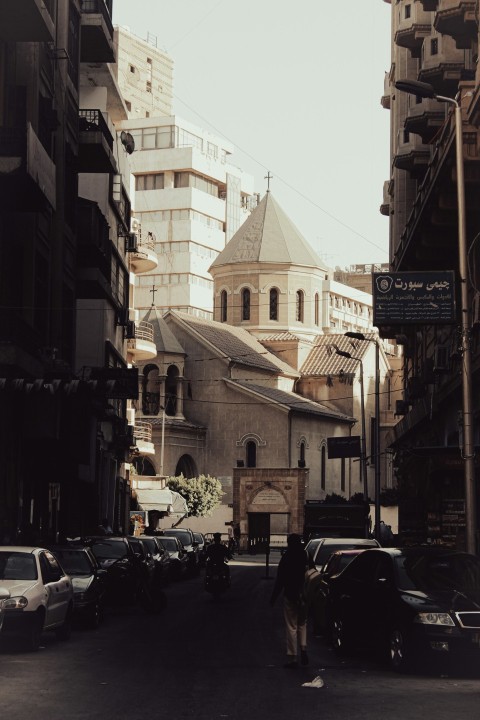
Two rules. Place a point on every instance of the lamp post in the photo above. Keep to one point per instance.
(344, 354)
(376, 439)
(425, 90)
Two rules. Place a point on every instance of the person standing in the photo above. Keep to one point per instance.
(291, 579)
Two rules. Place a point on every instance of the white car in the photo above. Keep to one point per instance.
(35, 594)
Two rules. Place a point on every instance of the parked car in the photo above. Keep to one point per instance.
(317, 588)
(326, 546)
(202, 547)
(123, 579)
(88, 580)
(160, 557)
(189, 544)
(413, 605)
(178, 556)
(37, 594)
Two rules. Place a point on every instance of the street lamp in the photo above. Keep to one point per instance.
(425, 90)
(344, 354)
(376, 439)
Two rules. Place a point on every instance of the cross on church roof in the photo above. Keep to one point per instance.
(153, 291)
(268, 177)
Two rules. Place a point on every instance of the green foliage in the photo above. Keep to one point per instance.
(202, 494)
(335, 499)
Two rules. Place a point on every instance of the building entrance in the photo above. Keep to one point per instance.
(258, 532)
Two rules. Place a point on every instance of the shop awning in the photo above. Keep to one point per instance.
(164, 500)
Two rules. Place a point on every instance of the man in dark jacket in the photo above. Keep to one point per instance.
(291, 578)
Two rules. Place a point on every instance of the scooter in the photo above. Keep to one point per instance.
(217, 577)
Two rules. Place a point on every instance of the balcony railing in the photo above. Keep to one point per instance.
(457, 19)
(93, 121)
(143, 431)
(97, 32)
(99, 7)
(144, 331)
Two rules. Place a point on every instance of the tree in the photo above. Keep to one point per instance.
(202, 494)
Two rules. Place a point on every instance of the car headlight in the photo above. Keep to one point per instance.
(15, 603)
(434, 619)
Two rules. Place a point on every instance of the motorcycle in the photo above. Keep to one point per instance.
(217, 577)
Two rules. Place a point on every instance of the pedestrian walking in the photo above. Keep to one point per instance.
(291, 580)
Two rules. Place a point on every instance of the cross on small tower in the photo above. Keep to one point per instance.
(268, 177)
(153, 291)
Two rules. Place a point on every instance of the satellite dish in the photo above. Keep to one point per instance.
(127, 141)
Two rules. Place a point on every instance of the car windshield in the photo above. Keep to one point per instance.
(198, 538)
(169, 544)
(325, 550)
(182, 535)
(107, 549)
(427, 572)
(74, 562)
(150, 545)
(17, 566)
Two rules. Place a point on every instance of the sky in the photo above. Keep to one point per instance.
(296, 88)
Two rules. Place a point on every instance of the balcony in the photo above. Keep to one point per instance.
(385, 206)
(143, 257)
(95, 152)
(429, 4)
(425, 119)
(457, 19)
(411, 155)
(143, 437)
(444, 65)
(142, 345)
(96, 44)
(386, 97)
(412, 30)
(27, 173)
(28, 21)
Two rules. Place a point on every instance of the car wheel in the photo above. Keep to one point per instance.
(338, 635)
(65, 629)
(35, 631)
(399, 651)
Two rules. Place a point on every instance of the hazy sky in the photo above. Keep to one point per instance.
(296, 87)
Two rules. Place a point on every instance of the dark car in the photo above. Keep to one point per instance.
(189, 544)
(88, 580)
(326, 546)
(124, 574)
(178, 556)
(202, 547)
(317, 588)
(160, 557)
(414, 605)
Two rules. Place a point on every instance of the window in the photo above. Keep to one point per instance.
(299, 306)
(149, 86)
(155, 181)
(274, 304)
(317, 309)
(408, 11)
(245, 304)
(223, 306)
(434, 46)
(251, 449)
(132, 69)
(301, 459)
(128, 105)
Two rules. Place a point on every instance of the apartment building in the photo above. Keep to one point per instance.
(433, 41)
(189, 197)
(65, 373)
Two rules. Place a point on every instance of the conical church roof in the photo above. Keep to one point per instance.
(163, 337)
(268, 236)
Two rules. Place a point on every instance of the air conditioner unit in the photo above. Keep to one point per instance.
(441, 359)
(131, 242)
(130, 330)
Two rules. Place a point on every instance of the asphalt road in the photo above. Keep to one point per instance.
(206, 660)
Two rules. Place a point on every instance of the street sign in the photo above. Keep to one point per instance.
(418, 298)
(344, 447)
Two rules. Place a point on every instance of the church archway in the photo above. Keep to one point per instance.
(143, 466)
(187, 467)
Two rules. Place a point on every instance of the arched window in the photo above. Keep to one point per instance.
(143, 466)
(171, 391)
(274, 304)
(245, 304)
(223, 306)
(151, 390)
(323, 469)
(186, 466)
(301, 460)
(299, 306)
(251, 454)
(317, 309)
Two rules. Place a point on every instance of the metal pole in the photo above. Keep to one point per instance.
(364, 435)
(468, 444)
(162, 448)
(377, 440)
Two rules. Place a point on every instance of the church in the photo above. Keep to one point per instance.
(252, 396)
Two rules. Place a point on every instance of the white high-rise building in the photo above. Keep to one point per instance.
(188, 198)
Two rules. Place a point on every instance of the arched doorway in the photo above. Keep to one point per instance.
(143, 466)
(186, 466)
